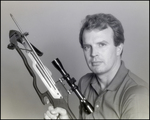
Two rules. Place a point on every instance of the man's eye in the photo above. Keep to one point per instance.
(86, 47)
(102, 44)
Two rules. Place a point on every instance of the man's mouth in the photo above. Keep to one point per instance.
(96, 63)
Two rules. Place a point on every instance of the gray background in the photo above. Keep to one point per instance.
(54, 28)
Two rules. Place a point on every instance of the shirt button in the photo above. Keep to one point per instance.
(97, 106)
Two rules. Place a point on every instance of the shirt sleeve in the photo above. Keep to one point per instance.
(135, 103)
(82, 85)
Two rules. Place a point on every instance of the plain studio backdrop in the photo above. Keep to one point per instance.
(54, 29)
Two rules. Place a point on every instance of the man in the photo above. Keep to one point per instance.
(113, 90)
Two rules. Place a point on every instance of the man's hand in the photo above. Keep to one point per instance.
(56, 113)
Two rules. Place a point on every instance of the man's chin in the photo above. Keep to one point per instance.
(97, 71)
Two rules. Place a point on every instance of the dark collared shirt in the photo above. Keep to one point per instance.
(126, 96)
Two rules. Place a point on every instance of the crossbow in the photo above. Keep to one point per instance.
(52, 95)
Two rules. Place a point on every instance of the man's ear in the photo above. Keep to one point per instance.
(119, 49)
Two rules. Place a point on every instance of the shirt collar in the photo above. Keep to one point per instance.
(115, 83)
(95, 84)
(119, 77)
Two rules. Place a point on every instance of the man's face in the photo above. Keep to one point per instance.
(99, 50)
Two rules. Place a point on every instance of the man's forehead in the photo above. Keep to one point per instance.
(96, 34)
(98, 30)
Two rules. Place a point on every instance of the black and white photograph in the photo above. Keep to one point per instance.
(74, 60)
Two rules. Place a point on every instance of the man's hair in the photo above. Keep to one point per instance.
(101, 21)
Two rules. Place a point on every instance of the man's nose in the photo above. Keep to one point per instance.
(94, 52)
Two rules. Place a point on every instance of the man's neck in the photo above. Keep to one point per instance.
(105, 79)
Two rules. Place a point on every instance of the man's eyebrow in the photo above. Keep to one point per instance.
(103, 41)
(85, 44)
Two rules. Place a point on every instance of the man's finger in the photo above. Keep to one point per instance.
(50, 116)
(59, 110)
(46, 116)
(50, 108)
